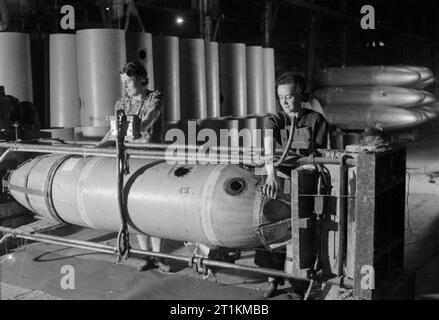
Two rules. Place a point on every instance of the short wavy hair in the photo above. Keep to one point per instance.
(300, 88)
(137, 70)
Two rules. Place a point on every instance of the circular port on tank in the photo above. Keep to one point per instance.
(142, 54)
(182, 171)
(235, 186)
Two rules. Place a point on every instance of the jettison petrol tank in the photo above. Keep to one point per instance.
(218, 205)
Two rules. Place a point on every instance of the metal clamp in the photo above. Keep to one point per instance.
(197, 265)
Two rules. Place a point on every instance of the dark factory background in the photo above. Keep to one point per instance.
(306, 35)
(366, 195)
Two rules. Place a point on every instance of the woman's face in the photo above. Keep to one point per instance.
(286, 98)
(131, 85)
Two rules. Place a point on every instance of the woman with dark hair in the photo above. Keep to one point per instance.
(303, 115)
(139, 101)
(299, 110)
(147, 105)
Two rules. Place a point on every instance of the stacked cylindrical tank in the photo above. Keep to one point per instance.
(15, 65)
(226, 85)
(376, 97)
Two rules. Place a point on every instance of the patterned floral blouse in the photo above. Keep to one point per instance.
(149, 110)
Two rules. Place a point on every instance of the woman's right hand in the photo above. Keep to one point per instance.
(271, 186)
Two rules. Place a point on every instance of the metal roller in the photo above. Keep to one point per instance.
(370, 96)
(233, 76)
(212, 80)
(15, 65)
(101, 56)
(161, 200)
(368, 76)
(193, 87)
(255, 81)
(269, 81)
(167, 74)
(139, 48)
(385, 118)
(64, 85)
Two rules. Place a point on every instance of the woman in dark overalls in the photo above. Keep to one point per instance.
(304, 115)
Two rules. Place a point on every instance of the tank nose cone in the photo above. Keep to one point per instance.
(276, 210)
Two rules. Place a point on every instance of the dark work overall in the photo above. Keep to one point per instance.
(300, 147)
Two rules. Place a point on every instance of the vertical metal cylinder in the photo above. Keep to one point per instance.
(167, 74)
(212, 80)
(139, 48)
(226, 131)
(101, 56)
(193, 71)
(15, 65)
(249, 133)
(233, 85)
(255, 81)
(64, 86)
(269, 81)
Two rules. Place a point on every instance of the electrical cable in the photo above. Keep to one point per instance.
(288, 146)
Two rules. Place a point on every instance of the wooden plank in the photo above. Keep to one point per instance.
(365, 221)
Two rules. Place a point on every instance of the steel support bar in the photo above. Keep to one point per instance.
(148, 154)
(87, 245)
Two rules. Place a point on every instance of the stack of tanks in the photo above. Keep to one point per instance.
(384, 98)
(215, 85)
(226, 85)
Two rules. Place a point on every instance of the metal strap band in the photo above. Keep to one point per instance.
(25, 189)
(48, 199)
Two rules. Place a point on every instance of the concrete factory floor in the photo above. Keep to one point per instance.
(422, 216)
(34, 270)
(38, 266)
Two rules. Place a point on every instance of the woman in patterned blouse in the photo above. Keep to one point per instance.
(147, 106)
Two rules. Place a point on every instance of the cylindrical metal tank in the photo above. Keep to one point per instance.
(212, 80)
(385, 118)
(250, 133)
(426, 83)
(64, 85)
(167, 74)
(255, 81)
(15, 65)
(233, 77)
(434, 107)
(368, 76)
(369, 96)
(139, 48)
(193, 87)
(429, 98)
(427, 76)
(101, 56)
(212, 204)
(430, 112)
(269, 81)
